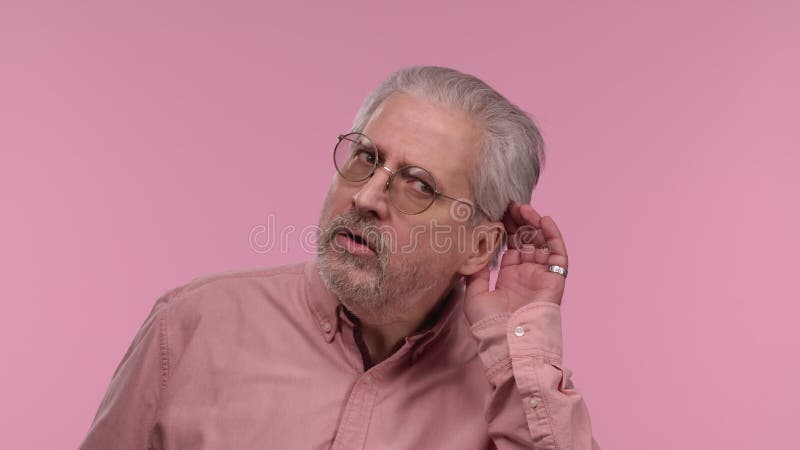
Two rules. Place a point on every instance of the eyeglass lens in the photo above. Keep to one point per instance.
(412, 189)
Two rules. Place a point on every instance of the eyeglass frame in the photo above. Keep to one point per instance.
(436, 192)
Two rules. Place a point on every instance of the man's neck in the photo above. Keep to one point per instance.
(382, 340)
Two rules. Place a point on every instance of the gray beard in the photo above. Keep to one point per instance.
(385, 295)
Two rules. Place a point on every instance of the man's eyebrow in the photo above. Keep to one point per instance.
(406, 163)
(437, 179)
(358, 140)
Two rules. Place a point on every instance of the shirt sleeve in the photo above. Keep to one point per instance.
(533, 403)
(127, 413)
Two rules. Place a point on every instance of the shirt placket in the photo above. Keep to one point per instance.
(354, 424)
(352, 432)
(358, 410)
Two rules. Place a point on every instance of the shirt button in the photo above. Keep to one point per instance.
(367, 379)
(534, 401)
(519, 331)
(327, 327)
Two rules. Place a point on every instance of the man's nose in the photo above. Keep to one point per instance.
(373, 197)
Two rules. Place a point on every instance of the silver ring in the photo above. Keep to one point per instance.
(558, 269)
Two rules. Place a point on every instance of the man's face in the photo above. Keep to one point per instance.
(414, 256)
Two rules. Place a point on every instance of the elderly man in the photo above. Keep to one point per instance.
(392, 338)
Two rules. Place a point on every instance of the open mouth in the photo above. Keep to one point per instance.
(354, 243)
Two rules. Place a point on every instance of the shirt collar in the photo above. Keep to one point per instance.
(323, 304)
(329, 314)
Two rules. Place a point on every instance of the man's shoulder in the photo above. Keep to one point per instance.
(241, 278)
(244, 287)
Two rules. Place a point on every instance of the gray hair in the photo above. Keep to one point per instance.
(512, 150)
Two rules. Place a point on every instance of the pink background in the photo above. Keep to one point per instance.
(141, 143)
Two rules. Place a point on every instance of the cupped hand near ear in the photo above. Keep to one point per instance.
(534, 243)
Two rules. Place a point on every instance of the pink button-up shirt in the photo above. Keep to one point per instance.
(268, 358)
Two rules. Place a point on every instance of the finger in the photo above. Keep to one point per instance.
(516, 214)
(529, 215)
(528, 223)
(557, 260)
(558, 251)
(545, 256)
(510, 257)
(526, 253)
(533, 254)
(508, 218)
(508, 222)
(534, 219)
(528, 234)
(553, 236)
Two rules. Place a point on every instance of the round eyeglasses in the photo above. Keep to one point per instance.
(411, 189)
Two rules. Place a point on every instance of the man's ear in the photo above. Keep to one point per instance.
(483, 244)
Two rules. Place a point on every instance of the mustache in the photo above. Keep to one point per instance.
(352, 223)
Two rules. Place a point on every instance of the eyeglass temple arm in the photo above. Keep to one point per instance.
(476, 207)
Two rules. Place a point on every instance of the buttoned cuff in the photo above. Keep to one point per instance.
(532, 330)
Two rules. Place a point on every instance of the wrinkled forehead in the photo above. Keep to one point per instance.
(411, 131)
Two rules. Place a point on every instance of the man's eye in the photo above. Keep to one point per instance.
(422, 187)
(365, 156)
